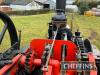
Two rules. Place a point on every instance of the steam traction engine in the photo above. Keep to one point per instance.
(45, 56)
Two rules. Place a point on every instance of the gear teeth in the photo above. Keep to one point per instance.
(21, 72)
(27, 65)
(81, 45)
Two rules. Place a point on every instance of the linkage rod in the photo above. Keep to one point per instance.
(48, 58)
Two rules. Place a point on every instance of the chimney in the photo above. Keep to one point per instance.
(61, 4)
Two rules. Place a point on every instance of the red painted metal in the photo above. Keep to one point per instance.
(14, 65)
(22, 60)
(49, 72)
(92, 59)
(37, 47)
(54, 63)
(39, 44)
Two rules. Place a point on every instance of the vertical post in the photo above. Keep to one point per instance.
(19, 40)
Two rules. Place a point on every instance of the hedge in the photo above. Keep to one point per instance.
(28, 12)
(85, 6)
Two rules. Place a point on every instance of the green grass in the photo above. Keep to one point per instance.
(35, 26)
(32, 26)
(89, 27)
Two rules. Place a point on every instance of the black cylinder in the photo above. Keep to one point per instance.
(61, 4)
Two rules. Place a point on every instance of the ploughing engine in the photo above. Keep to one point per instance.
(47, 56)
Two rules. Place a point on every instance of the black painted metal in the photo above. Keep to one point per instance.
(11, 29)
(19, 41)
(2, 33)
(88, 46)
(61, 4)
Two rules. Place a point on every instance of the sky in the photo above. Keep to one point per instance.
(54, 0)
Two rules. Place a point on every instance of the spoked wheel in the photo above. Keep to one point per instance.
(8, 26)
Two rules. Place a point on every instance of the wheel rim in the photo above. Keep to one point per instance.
(11, 29)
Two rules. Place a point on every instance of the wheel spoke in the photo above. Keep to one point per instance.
(3, 33)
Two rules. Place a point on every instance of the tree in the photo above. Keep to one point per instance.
(83, 6)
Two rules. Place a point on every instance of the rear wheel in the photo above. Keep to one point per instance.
(8, 26)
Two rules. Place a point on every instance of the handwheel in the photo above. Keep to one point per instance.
(8, 26)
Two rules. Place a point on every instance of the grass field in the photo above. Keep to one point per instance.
(90, 28)
(35, 26)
